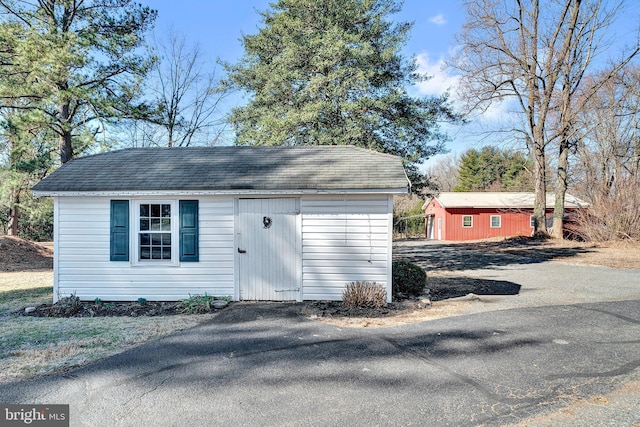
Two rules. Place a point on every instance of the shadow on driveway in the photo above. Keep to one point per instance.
(442, 288)
(440, 259)
(450, 257)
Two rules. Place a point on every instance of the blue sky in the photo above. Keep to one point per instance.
(217, 27)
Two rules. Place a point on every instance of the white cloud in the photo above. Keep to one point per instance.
(441, 80)
(438, 19)
(484, 127)
(500, 112)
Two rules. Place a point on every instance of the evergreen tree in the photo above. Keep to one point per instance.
(492, 169)
(72, 64)
(331, 72)
(468, 172)
(517, 175)
(26, 158)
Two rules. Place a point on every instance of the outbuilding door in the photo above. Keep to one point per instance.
(430, 221)
(269, 249)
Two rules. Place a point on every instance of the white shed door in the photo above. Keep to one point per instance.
(269, 249)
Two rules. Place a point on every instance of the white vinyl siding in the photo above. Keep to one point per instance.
(84, 269)
(344, 239)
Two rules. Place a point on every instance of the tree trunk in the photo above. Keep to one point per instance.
(635, 165)
(170, 135)
(66, 150)
(65, 140)
(540, 201)
(561, 191)
(14, 214)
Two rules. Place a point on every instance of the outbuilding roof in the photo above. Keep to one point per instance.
(501, 200)
(229, 169)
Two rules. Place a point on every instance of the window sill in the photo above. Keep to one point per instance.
(154, 264)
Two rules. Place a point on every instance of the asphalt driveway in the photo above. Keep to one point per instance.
(500, 281)
(265, 364)
(249, 367)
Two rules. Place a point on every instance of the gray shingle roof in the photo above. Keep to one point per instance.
(228, 168)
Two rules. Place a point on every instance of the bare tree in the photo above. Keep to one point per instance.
(186, 95)
(577, 90)
(443, 173)
(609, 146)
(535, 52)
(608, 157)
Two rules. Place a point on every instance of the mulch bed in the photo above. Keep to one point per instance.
(85, 309)
(338, 309)
(152, 308)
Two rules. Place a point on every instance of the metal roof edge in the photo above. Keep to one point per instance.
(132, 193)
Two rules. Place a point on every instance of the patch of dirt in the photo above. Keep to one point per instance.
(338, 309)
(17, 254)
(396, 313)
(334, 309)
(584, 411)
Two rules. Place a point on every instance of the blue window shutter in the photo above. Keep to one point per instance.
(189, 231)
(119, 230)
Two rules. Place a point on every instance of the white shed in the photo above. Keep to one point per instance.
(253, 223)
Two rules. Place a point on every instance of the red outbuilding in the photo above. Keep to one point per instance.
(473, 216)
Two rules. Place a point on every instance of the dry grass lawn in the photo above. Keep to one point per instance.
(586, 410)
(623, 254)
(36, 346)
(32, 346)
(24, 288)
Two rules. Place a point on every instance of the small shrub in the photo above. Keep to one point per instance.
(363, 294)
(67, 306)
(72, 301)
(196, 304)
(97, 301)
(614, 213)
(408, 279)
(142, 301)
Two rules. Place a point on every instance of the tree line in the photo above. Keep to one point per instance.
(83, 76)
(547, 58)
